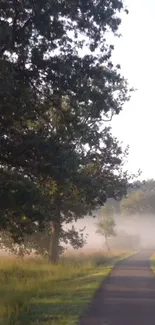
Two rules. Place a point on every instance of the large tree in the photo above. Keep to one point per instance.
(58, 86)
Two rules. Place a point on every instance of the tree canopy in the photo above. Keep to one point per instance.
(54, 102)
(139, 203)
(106, 224)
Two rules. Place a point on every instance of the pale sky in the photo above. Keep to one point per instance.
(135, 51)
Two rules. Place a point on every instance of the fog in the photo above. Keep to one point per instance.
(142, 226)
(129, 230)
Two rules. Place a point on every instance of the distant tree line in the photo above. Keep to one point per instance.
(139, 202)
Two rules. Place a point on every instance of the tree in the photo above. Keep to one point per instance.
(106, 224)
(38, 242)
(139, 203)
(54, 104)
(113, 205)
(133, 204)
(144, 186)
(23, 206)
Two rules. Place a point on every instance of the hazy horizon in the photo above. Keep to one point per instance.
(132, 225)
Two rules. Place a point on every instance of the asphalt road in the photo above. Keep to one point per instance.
(127, 296)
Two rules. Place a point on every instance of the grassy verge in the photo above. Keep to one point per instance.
(152, 263)
(34, 292)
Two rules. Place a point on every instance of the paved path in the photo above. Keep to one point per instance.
(127, 297)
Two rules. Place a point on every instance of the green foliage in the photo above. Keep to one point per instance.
(22, 205)
(139, 203)
(145, 186)
(106, 224)
(38, 242)
(106, 227)
(107, 211)
(133, 204)
(53, 104)
(152, 263)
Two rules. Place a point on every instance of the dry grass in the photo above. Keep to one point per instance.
(36, 293)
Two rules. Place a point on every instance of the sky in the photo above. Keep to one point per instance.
(135, 51)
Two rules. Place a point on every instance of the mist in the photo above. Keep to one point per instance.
(142, 226)
(127, 230)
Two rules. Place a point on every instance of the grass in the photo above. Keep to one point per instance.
(152, 263)
(36, 293)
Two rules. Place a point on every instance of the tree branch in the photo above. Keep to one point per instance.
(14, 25)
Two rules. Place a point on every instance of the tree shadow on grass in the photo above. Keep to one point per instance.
(50, 311)
(63, 305)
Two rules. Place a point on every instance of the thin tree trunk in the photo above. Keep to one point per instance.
(54, 242)
(106, 242)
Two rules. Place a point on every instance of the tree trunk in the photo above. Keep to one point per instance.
(106, 242)
(54, 242)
